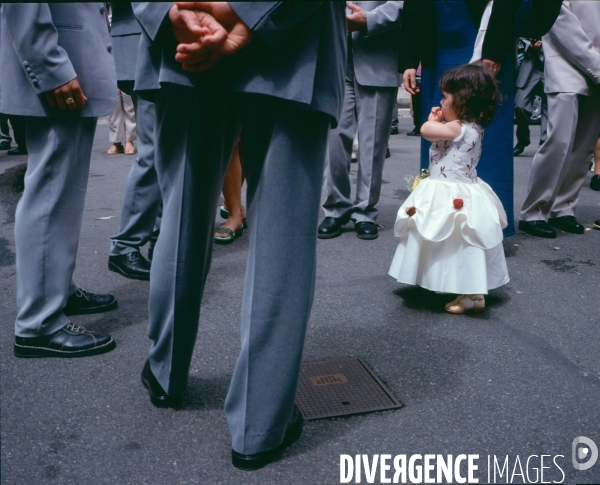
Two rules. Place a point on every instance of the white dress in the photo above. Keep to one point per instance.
(445, 247)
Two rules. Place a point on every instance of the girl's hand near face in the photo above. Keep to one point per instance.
(436, 114)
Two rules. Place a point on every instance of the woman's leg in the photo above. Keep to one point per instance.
(232, 192)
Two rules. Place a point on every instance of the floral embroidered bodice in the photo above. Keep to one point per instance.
(456, 160)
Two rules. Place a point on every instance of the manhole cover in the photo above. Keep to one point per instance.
(341, 387)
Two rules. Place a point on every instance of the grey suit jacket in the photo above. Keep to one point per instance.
(126, 32)
(375, 52)
(298, 54)
(44, 46)
(572, 49)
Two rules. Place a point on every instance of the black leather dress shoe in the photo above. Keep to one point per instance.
(259, 460)
(394, 130)
(69, 341)
(366, 230)
(519, 148)
(415, 132)
(131, 265)
(388, 154)
(331, 227)
(81, 303)
(567, 224)
(17, 151)
(4, 145)
(595, 182)
(537, 228)
(158, 396)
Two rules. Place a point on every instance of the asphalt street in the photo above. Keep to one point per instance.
(520, 379)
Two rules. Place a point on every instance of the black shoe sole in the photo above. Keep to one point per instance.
(330, 236)
(260, 460)
(88, 311)
(24, 351)
(170, 402)
(367, 237)
(545, 236)
(116, 269)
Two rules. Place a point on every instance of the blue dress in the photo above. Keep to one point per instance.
(456, 37)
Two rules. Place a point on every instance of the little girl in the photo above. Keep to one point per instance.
(450, 227)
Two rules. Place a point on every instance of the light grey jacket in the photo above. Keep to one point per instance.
(298, 54)
(572, 49)
(375, 52)
(45, 45)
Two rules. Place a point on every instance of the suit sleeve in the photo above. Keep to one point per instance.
(499, 37)
(35, 39)
(273, 22)
(571, 41)
(410, 45)
(151, 16)
(383, 18)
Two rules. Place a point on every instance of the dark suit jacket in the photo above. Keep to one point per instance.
(418, 31)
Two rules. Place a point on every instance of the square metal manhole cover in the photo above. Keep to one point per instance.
(341, 387)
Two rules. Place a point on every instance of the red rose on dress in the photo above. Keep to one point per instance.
(411, 211)
(458, 204)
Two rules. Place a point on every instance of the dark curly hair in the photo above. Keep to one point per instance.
(474, 92)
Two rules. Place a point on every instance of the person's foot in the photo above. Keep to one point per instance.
(366, 230)
(331, 227)
(597, 224)
(537, 229)
(394, 130)
(129, 148)
(387, 153)
(230, 231)
(595, 182)
(259, 460)
(466, 304)
(567, 224)
(115, 148)
(4, 145)
(69, 341)
(414, 132)
(131, 265)
(82, 302)
(17, 151)
(519, 148)
(158, 396)
(354, 157)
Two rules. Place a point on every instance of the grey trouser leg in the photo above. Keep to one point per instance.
(372, 107)
(141, 202)
(560, 165)
(121, 120)
(285, 149)
(48, 220)
(195, 136)
(524, 107)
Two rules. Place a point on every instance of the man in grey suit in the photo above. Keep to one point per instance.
(140, 214)
(572, 77)
(57, 67)
(278, 74)
(372, 81)
(530, 83)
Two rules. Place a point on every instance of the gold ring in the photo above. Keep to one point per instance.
(69, 100)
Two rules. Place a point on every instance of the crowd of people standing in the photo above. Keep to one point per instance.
(286, 86)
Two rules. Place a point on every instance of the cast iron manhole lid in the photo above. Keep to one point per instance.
(339, 388)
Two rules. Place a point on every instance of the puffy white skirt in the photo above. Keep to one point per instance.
(451, 250)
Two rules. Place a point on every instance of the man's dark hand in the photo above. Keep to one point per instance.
(227, 37)
(68, 96)
(357, 20)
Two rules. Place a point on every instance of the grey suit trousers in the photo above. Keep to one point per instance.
(48, 220)
(524, 106)
(283, 161)
(560, 165)
(140, 214)
(371, 109)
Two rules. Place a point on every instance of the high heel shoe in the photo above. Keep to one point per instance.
(225, 215)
